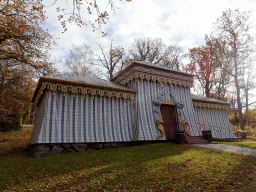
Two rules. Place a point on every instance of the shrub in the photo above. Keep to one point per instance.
(12, 122)
(235, 127)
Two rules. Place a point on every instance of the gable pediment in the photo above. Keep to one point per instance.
(155, 73)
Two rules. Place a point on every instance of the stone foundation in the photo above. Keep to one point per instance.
(40, 150)
(226, 139)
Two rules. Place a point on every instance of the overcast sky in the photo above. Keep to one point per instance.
(180, 22)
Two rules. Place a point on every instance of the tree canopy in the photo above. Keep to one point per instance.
(78, 62)
(24, 53)
(101, 13)
(233, 28)
(156, 52)
(205, 64)
(225, 62)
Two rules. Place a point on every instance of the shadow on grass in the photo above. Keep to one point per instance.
(15, 151)
(159, 167)
(17, 170)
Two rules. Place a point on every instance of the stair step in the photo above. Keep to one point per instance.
(195, 139)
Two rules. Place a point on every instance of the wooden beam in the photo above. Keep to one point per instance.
(167, 103)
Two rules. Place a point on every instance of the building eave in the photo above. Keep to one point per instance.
(69, 82)
(151, 66)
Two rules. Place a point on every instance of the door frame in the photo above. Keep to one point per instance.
(168, 103)
(171, 103)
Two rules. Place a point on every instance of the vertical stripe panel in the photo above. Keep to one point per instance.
(38, 125)
(91, 135)
(69, 118)
(121, 125)
(106, 119)
(127, 119)
(73, 134)
(81, 120)
(112, 119)
(84, 119)
(147, 107)
(95, 114)
(142, 134)
(104, 125)
(58, 116)
(87, 117)
(117, 121)
(45, 138)
(63, 119)
(151, 112)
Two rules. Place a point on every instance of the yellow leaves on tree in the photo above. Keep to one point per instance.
(21, 35)
(99, 13)
(24, 47)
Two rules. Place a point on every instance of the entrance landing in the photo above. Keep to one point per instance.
(195, 139)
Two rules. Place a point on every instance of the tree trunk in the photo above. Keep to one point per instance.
(247, 110)
(207, 88)
(239, 104)
(111, 63)
(240, 114)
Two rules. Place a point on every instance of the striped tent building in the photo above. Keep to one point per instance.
(144, 102)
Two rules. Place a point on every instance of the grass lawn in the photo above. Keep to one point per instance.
(157, 167)
(14, 139)
(251, 144)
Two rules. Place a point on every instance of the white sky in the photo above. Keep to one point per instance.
(180, 22)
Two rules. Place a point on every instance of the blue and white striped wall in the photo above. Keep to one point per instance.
(147, 93)
(68, 119)
(215, 120)
(199, 119)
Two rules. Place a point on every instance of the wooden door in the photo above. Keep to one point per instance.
(169, 118)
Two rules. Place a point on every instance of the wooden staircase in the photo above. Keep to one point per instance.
(195, 139)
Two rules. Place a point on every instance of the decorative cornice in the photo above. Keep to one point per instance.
(155, 75)
(152, 66)
(83, 88)
(210, 100)
(214, 106)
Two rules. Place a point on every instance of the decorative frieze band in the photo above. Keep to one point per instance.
(210, 106)
(155, 75)
(155, 78)
(82, 89)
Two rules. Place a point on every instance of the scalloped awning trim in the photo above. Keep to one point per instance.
(213, 106)
(81, 89)
(149, 74)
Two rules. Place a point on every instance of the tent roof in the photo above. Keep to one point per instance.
(207, 100)
(82, 81)
(88, 80)
(151, 65)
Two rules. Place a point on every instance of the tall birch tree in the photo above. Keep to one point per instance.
(233, 28)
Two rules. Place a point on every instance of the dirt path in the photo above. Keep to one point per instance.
(230, 148)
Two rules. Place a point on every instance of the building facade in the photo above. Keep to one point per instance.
(144, 102)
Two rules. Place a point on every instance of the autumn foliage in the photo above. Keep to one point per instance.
(203, 67)
(99, 11)
(211, 68)
(24, 49)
